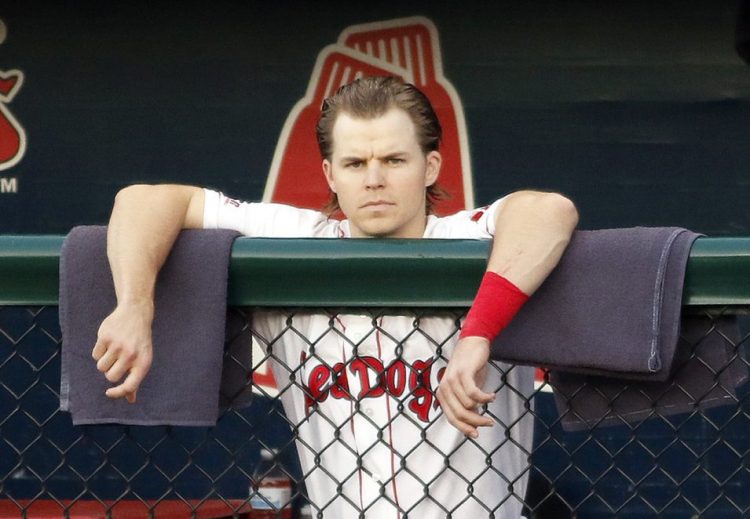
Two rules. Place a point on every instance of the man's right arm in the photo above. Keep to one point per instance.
(143, 227)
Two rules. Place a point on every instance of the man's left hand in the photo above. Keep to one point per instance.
(460, 392)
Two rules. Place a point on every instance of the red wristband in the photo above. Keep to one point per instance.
(496, 303)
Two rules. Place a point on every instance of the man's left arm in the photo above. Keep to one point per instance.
(532, 230)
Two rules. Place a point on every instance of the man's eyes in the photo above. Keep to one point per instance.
(390, 161)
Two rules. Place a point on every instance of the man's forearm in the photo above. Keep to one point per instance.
(532, 230)
(144, 224)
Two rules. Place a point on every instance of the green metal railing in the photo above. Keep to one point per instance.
(271, 272)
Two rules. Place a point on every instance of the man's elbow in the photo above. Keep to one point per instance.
(553, 209)
(171, 201)
(133, 192)
(163, 192)
(562, 210)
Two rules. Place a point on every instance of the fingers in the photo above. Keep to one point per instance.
(106, 360)
(136, 368)
(465, 420)
(466, 392)
(116, 360)
(460, 406)
(474, 393)
(129, 387)
(460, 392)
(117, 370)
(99, 349)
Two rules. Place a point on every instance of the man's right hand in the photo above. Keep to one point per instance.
(123, 348)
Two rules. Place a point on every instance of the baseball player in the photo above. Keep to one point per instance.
(387, 414)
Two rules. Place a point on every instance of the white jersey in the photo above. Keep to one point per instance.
(371, 436)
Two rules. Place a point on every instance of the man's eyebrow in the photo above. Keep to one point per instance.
(350, 158)
(388, 155)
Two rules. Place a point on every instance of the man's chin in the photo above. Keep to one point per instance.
(376, 230)
(377, 234)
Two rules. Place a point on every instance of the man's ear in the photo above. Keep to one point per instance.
(328, 173)
(432, 172)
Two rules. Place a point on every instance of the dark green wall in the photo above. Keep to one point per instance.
(638, 110)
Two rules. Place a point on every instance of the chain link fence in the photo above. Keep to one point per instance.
(689, 464)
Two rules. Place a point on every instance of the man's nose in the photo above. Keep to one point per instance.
(375, 176)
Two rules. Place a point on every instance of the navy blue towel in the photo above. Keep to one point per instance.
(610, 308)
(608, 324)
(189, 332)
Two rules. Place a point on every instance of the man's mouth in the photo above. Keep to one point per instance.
(377, 204)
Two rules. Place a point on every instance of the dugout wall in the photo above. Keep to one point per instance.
(635, 110)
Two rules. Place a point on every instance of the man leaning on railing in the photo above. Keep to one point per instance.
(379, 144)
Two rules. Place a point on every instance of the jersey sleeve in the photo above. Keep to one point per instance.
(477, 224)
(262, 220)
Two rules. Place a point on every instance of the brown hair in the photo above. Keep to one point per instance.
(371, 97)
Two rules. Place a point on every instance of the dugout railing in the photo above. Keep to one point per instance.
(693, 464)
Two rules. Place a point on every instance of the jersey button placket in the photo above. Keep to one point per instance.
(363, 429)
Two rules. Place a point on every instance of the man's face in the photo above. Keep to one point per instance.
(380, 175)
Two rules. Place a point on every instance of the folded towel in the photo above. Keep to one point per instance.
(607, 323)
(183, 386)
(611, 306)
(707, 369)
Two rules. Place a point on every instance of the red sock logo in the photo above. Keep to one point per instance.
(296, 176)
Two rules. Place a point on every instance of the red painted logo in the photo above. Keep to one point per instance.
(12, 134)
(406, 47)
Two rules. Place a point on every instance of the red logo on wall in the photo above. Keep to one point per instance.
(12, 135)
(406, 47)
